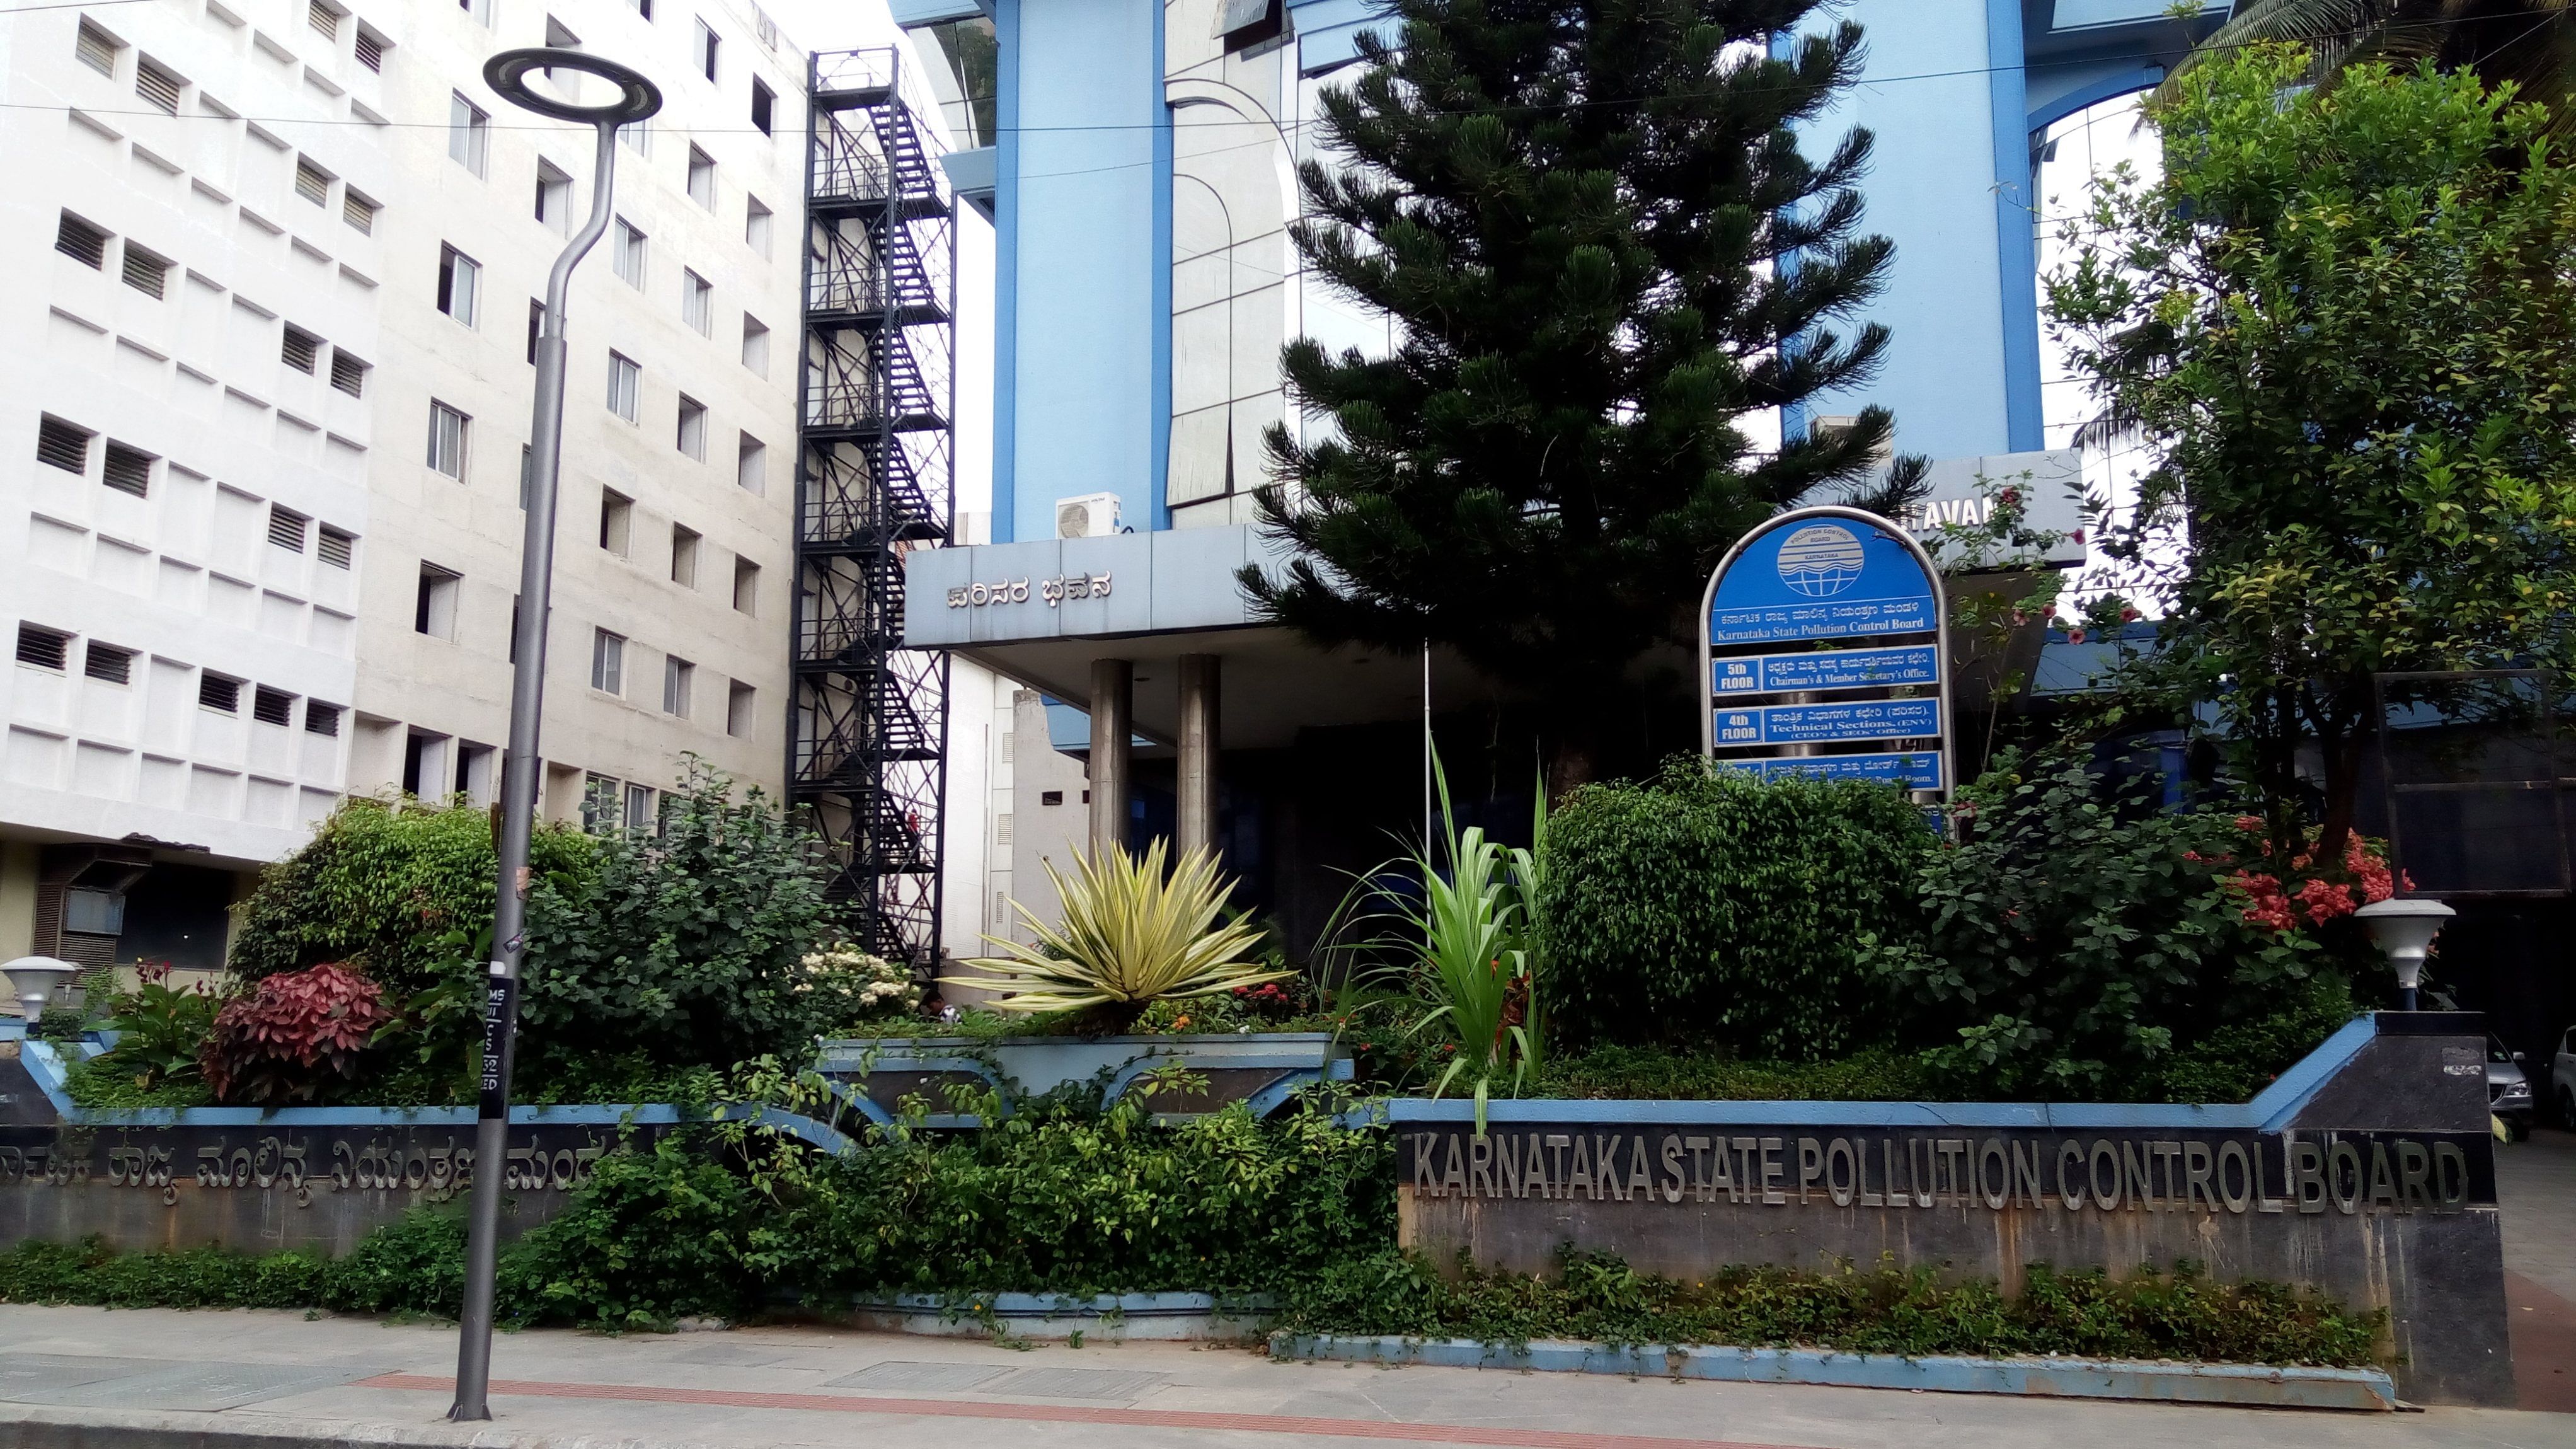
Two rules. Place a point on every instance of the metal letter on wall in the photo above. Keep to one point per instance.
(1826, 628)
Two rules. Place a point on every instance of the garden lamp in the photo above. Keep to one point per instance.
(36, 979)
(2405, 931)
(636, 98)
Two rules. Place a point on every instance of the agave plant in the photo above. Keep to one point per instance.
(1132, 934)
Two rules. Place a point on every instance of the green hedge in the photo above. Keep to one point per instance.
(1710, 906)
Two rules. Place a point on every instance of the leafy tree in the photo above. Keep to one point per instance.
(1583, 217)
(2344, 322)
(2531, 43)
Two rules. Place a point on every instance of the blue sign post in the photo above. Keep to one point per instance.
(1812, 579)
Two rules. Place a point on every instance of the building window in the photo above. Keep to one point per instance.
(751, 464)
(336, 547)
(371, 49)
(312, 182)
(286, 528)
(677, 676)
(702, 178)
(554, 197)
(763, 108)
(746, 587)
(108, 664)
(616, 521)
(693, 428)
(599, 798)
(145, 272)
(642, 7)
(217, 693)
(60, 445)
(433, 608)
(358, 211)
(129, 470)
(684, 556)
(41, 647)
(738, 710)
(81, 242)
(708, 43)
(628, 254)
(755, 225)
(607, 662)
(321, 719)
(469, 133)
(625, 385)
(697, 302)
(536, 327)
(272, 706)
(460, 283)
(755, 345)
(348, 374)
(157, 86)
(324, 20)
(637, 137)
(639, 806)
(301, 350)
(96, 50)
(447, 432)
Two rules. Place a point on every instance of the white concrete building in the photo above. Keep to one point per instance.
(266, 398)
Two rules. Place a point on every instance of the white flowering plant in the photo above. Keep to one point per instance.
(874, 986)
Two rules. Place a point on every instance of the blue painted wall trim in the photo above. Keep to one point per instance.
(2017, 258)
(1159, 447)
(1006, 271)
(2049, 113)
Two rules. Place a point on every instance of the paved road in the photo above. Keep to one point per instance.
(2536, 1184)
(360, 1381)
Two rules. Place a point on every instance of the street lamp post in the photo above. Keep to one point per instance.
(637, 98)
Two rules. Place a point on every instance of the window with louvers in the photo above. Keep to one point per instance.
(303, 350)
(312, 182)
(158, 86)
(358, 212)
(348, 374)
(286, 528)
(320, 718)
(95, 49)
(60, 445)
(335, 547)
(129, 470)
(145, 272)
(42, 647)
(324, 19)
(272, 706)
(108, 664)
(218, 693)
(371, 49)
(81, 242)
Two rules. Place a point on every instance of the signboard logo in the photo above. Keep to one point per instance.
(1821, 560)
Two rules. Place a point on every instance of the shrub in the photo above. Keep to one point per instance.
(874, 986)
(654, 1236)
(293, 1036)
(1871, 1074)
(382, 884)
(2071, 944)
(160, 1032)
(1707, 904)
(685, 947)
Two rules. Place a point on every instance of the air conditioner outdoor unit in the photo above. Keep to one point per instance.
(1093, 515)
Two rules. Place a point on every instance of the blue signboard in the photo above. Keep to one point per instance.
(1808, 724)
(1914, 771)
(1822, 578)
(1833, 669)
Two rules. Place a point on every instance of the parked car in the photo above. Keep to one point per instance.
(2562, 1078)
(2508, 1090)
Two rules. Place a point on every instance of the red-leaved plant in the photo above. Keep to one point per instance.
(292, 1035)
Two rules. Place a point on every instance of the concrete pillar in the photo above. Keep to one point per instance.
(1200, 737)
(1113, 724)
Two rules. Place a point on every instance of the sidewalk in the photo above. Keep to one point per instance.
(150, 1378)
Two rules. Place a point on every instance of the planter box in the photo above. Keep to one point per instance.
(1109, 1318)
(1258, 1068)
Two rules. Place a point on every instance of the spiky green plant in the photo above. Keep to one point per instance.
(1132, 934)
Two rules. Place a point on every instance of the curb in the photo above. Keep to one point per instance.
(1139, 1317)
(24, 1426)
(2252, 1385)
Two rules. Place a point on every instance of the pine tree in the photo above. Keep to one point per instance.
(1593, 225)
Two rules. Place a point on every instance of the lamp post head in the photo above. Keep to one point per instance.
(507, 75)
(2404, 931)
(36, 979)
